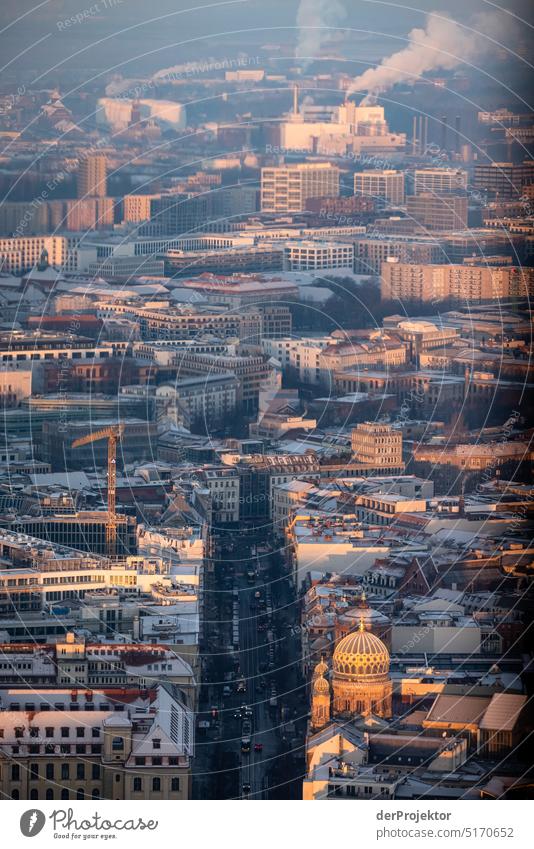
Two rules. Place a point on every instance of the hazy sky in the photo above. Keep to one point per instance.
(160, 33)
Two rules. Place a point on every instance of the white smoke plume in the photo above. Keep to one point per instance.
(442, 45)
(314, 18)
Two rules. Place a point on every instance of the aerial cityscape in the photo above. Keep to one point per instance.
(266, 498)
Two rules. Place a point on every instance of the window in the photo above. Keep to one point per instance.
(15, 772)
(156, 743)
(49, 732)
(96, 793)
(79, 793)
(95, 732)
(49, 772)
(156, 785)
(157, 761)
(34, 794)
(80, 772)
(15, 794)
(49, 793)
(175, 785)
(34, 772)
(64, 793)
(117, 744)
(80, 732)
(140, 761)
(95, 772)
(137, 785)
(65, 772)
(64, 731)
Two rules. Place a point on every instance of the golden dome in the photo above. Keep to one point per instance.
(321, 685)
(361, 655)
(320, 669)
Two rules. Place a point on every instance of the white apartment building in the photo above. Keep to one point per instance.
(223, 484)
(19, 254)
(286, 188)
(439, 180)
(302, 355)
(314, 256)
(385, 185)
(287, 498)
(208, 397)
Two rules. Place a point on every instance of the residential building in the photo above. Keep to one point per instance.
(286, 188)
(438, 212)
(108, 744)
(377, 445)
(92, 176)
(386, 185)
(438, 181)
(429, 283)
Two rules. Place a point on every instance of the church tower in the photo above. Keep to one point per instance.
(320, 706)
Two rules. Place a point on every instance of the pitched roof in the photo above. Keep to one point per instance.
(503, 712)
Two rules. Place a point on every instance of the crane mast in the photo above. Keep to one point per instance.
(112, 433)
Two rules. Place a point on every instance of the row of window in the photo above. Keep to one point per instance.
(64, 794)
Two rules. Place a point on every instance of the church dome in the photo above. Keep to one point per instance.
(361, 655)
(320, 686)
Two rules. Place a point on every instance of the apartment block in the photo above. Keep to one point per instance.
(369, 254)
(407, 281)
(286, 188)
(387, 185)
(439, 181)
(92, 176)
(111, 743)
(438, 212)
(311, 255)
(377, 445)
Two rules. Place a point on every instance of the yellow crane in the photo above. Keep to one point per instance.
(112, 433)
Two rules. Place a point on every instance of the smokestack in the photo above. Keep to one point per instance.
(295, 99)
(425, 136)
(420, 136)
(444, 132)
(414, 135)
(457, 125)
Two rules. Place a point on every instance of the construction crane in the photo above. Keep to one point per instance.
(112, 433)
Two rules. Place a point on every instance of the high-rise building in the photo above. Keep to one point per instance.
(387, 185)
(92, 174)
(287, 188)
(378, 445)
